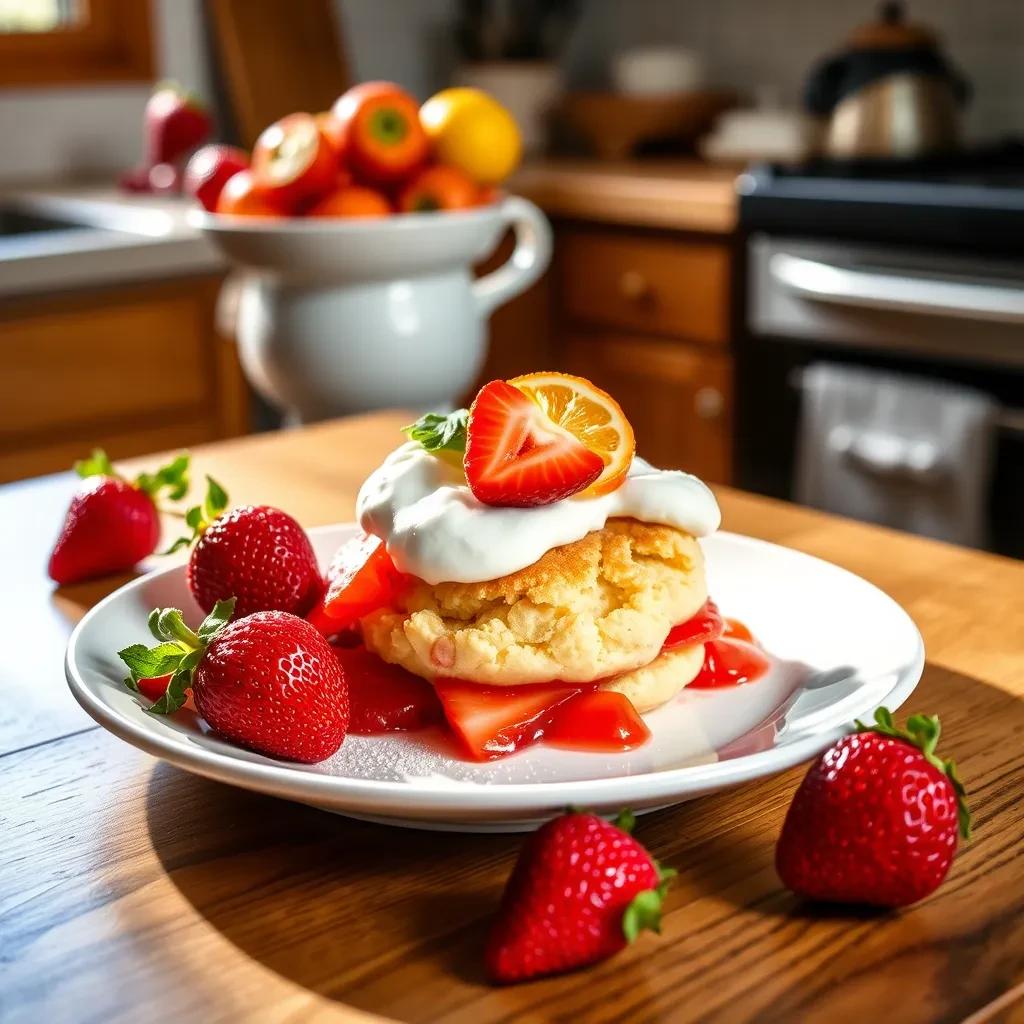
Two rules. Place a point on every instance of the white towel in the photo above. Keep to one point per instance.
(907, 452)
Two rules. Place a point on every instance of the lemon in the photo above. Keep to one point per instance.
(472, 131)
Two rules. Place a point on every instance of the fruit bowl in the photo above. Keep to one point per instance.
(337, 316)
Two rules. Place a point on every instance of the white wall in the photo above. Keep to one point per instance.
(52, 133)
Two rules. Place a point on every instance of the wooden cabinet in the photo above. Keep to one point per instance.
(131, 369)
(655, 283)
(677, 397)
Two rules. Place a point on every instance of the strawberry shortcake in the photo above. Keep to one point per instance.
(526, 563)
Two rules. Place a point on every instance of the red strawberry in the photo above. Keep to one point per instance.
(175, 123)
(256, 554)
(269, 682)
(360, 579)
(581, 890)
(876, 819)
(492, 721)
(515, 454)
(208, 172)
(111, 523)
(385, 698)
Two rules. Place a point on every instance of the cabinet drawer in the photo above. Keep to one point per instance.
(661, 285)
(678, 397)
(101, 358)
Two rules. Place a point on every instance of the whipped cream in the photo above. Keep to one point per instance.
(433, 527)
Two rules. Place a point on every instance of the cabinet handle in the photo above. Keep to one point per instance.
(634, 286)
(708, 403)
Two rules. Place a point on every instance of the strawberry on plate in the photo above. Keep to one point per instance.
(491, 721)
(268, 682)
(582, 889)
(360, 579)
(256, 554)
(209, 170)
(517, 456)
(876, 819)
(112, 523)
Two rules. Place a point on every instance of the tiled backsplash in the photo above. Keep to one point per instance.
(752, 43)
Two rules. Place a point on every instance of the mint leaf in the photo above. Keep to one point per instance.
(436, 432)
(96, 465)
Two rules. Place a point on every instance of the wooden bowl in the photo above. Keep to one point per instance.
(614, 125)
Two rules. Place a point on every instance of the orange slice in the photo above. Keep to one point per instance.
(589, 414)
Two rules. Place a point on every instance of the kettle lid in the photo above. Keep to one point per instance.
(891, 31)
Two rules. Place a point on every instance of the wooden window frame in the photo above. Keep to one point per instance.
(113, 44)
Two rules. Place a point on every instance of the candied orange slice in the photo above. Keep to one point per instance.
(589, 414)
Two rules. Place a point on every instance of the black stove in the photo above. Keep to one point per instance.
(970, 200)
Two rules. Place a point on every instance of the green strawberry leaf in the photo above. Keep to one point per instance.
(148, 662)
(172, 477)
(97, 464)
(200, 517)
(217, 619)
(625, 820)
(437, 432)
(923, 732)
(644, 910)
(176, 693)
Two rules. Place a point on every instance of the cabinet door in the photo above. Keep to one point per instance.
(678, 397)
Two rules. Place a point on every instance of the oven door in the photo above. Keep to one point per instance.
(934, 315)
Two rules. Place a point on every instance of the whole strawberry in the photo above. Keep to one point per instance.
(256, 554)
(876, 819)
(582, 889)
(176, 122)
(269, 682)
(112, 523)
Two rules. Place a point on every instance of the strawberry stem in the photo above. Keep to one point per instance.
(923, 732)
(199, 518)
(644, 910)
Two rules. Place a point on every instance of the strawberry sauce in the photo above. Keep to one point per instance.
(487, 722)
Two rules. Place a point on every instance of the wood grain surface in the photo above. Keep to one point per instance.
(132, 891)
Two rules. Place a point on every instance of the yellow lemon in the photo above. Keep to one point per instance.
(472, 131)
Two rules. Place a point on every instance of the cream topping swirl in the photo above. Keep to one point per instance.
(433, 527)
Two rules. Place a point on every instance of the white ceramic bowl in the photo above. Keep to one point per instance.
(336, 316)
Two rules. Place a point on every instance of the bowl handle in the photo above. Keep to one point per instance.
(528, 261)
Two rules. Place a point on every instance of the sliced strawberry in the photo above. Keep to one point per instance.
(361, 578)
(597, 720)
(705, 626)
(385, 698)
(492, 721)
(517, 456)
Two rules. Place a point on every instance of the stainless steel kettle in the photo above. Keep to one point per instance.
(891, 94)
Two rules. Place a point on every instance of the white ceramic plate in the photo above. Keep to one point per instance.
(840, 646)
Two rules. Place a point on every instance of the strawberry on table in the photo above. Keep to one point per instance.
(268, 681)
(876, 819)
(113, 523)
(257, 554)
(582, 889)
(517, 456)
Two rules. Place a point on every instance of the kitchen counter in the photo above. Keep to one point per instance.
(113, 238)
(684, 195)
(132, 891)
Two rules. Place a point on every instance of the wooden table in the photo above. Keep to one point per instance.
(131, 891)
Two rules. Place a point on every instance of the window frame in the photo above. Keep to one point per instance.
(113, 44)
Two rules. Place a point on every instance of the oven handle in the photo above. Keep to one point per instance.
(825, 282)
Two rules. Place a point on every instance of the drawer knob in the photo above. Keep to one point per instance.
(708, 403)
(634, 286)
